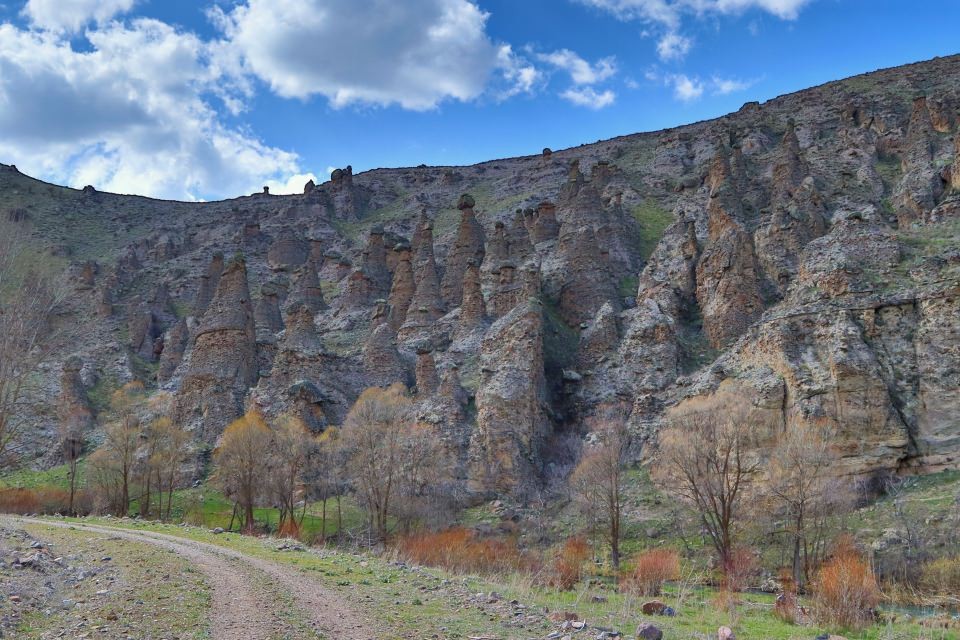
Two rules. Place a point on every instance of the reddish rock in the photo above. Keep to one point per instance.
(512, 424)
(728, 288)
(208, 284)
(427, 379)
(381, 360)
(469, 247)
(223, 361)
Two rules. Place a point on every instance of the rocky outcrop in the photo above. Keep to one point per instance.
(426, 305)
(374, 263)
(402, 288)
(919, 188)
(208, 285)
(223, 362)
(266, 312)
(306, 289)
(728, 284)
(542, 224)
(445, 412)
(73, 406)
(796, 215)
(468, 248)
(306, 381)
(287, 252)
(381, 359)
(512, 423)
(174, 346)
(587, 283)
(473, 310)
(427, 380)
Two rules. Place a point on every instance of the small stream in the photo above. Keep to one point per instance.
(918, 611)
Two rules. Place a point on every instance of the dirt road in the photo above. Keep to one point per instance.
(246, 589)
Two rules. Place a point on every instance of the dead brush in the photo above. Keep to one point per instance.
(459, 550)
(651, 570)
(846, 590)
(568, 563)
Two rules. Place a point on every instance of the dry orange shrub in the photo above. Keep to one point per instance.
(846, 589)
(568, 563)
(43, 500)
(459, 550)
(652, 569)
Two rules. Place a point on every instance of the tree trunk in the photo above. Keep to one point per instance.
(73, 485)
(339, 518)
(323, 523)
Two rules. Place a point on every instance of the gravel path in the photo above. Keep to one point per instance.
(239, 607)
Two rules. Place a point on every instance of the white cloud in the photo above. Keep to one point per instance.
(293, 184)
(519, 75)
(689, 89)
(581, 71)
(723, 86)
(669, 12)
(415, 53)
(673, 46)
(128, 113)
(589, 97)
(668, 16)
(686, 88)
(72, 15)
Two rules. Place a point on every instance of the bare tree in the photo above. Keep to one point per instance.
(803, 491)
(374, 436)
(597, 482)
(72, 441)
(122, 439)
(289, 454)
(170, 448)
(426, 492)
(705, 459)
(29, 299)
(241, 461)
(326, 475)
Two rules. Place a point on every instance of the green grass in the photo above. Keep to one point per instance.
(54, 477)
(416, 602)
(156, 589)
(653, 220)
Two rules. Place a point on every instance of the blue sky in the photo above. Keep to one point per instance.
(201, 100)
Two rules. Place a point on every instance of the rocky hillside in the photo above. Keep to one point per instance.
(803, 253)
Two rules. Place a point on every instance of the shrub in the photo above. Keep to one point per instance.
(568, 563)
(43, 500)
(651, 569)
(740, 568)
(846, 589)
(941, 576)
(461, 551)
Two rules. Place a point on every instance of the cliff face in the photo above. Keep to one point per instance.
(805, 252)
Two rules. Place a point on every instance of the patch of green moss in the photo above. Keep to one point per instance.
(653, 221)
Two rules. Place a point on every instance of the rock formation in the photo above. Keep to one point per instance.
(728, 286)
(796, 215)
(468, 248)
(402, 289)
(512, 424)
(208, 284)
(919, 187)
(381, 359)
(223, 362)
(306, 289)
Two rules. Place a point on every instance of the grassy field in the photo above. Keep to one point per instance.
(409, 600)
(140, 587)
(423, 602)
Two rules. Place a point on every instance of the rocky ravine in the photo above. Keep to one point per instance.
(811, 264)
